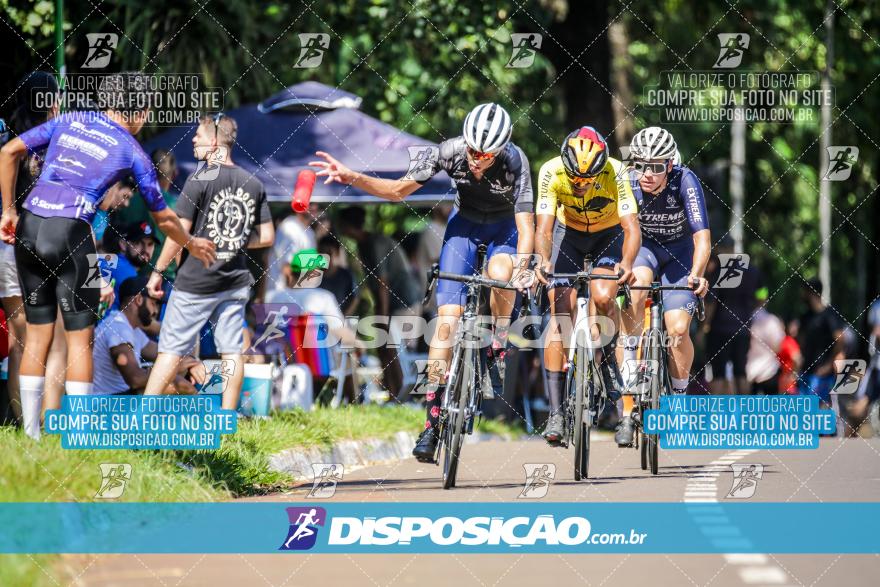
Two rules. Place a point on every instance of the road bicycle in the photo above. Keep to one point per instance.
(467, 374)
(653, 373)
(585, 393)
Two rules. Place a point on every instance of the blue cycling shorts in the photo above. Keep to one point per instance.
(459, 252)
(672, 263)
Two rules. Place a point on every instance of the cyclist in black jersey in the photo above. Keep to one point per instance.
(494, 205)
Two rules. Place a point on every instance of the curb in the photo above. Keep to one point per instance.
(352, 454)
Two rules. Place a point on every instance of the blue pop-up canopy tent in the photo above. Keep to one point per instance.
(278, 137)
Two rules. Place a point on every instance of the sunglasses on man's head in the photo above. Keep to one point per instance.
(479, 156)
(217, 118)
(645, 167)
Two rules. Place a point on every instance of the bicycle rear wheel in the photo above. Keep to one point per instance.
(582, 416)
(454, 430)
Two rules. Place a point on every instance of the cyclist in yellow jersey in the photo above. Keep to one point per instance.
(585, 207)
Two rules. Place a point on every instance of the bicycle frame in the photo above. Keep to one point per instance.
(461, 403)
(583, 396)
(653, 349)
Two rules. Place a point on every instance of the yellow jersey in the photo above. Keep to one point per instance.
(608, 197)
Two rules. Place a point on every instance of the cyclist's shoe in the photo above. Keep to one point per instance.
(623, 436)
(611, 377)
(426, 446)
(495, 366)
(555, 429)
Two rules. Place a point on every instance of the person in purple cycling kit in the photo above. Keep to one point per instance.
(494, 206)
(676, 244)
(86, 153)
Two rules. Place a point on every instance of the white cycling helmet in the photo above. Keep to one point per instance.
(487, 128)
(653, 143)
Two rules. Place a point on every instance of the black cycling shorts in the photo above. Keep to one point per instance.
(57, 265)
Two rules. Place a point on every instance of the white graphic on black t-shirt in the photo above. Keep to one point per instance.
(230, 218)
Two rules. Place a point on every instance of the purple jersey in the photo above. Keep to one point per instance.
(675, 213)
(86, 153)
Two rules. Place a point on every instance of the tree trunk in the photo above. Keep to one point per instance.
(621, 66)
(579, 49)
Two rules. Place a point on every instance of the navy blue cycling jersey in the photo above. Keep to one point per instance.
(675, 213)
(86, 153)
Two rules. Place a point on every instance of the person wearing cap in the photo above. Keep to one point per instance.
(121, 345)
(133, 246)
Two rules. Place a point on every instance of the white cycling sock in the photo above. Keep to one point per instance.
(31, 389)
(77, 387)
(629, 363)
(679, 385)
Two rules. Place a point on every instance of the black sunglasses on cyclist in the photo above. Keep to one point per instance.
(645, 167)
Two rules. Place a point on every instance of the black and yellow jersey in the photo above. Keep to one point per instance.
(608, 197)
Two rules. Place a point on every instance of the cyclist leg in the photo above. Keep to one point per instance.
(632, 326)
(607, 250)
(79, 305)
(457, 255)
(501, 254)
(52, 260)
(502, 241)
(678, 310)
(633, 322)
(566, 257)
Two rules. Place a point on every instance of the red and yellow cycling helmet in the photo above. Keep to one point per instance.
(584, 154)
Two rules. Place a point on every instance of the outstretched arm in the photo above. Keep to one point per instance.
(394, 190)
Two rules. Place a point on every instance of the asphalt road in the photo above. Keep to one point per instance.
(840, 470)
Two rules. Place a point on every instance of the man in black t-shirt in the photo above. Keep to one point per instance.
(227, 206)
(820, 336)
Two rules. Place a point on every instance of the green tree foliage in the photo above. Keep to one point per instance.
(421, 65)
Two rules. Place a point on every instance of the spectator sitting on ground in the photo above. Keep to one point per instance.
(121, 345)
(338, 279)
(388, 279)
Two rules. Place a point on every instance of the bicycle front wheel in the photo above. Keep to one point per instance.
(582, 416)
(456, 419)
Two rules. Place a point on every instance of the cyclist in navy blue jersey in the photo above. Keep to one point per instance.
(675, 249)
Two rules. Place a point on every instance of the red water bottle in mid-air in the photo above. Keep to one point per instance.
(302, 193)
